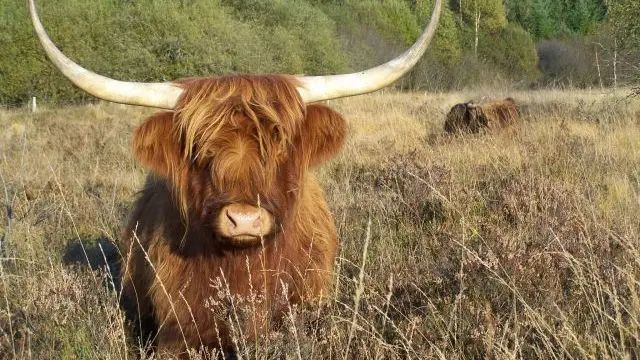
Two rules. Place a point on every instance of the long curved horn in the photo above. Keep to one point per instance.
(159, 95)
(319, 88)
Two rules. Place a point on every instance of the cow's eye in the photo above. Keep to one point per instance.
(277, 135)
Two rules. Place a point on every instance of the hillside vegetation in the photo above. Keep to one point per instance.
(504, 245)
(578, 43)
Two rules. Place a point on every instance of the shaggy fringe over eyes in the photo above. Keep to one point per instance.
(271, 102)
(207, 110)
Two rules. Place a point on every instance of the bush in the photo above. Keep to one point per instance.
(510, 49)
(162, 40)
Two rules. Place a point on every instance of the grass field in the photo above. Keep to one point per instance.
(520, 244)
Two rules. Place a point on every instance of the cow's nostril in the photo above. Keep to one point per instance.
(231, 219)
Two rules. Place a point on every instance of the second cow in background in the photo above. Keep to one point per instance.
(472, 118)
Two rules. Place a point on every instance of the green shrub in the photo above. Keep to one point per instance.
(162, 40)
(510, 49)
(492, 13)
(393, 19)
(446, 45)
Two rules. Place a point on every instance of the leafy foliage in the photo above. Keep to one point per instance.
(624, 16)
(162, 40)
(512, 50)
(546, 19)
(491, 12)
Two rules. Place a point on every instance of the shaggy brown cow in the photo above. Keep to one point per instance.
(464, 118)
(230, 202)
(472, 118)
(230, 206)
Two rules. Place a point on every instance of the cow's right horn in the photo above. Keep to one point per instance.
(319, 88)
(159, 95)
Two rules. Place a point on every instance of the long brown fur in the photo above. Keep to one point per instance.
(464, 118)
(245, 139)
(501, 114)
(495, 115)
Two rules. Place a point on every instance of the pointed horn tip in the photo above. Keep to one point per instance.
(321, 88)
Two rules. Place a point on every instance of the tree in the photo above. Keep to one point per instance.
(446, 44)
(491, 12)
(584, 15)
(550, 19)
(624, 15)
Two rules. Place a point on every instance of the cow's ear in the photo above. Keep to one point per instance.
(322, 134)
(156, 144)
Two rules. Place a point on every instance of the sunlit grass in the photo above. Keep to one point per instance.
(507, 244)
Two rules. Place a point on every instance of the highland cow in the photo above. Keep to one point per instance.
(230, 202)
(472, 118)
(230, 205)
(464, 118)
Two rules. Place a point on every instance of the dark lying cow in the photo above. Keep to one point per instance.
(230, 205)
(472, 118)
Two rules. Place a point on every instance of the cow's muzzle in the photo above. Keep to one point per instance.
(244, 223)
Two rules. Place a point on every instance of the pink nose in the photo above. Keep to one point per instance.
(244, 221)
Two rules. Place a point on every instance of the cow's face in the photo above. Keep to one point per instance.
(236, 155)
(476, 118)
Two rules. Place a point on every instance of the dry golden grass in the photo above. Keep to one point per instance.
(503, 245)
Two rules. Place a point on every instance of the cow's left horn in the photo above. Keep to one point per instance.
(159, 95)
(319, 88)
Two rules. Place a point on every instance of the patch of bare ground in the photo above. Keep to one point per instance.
(500, 245)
